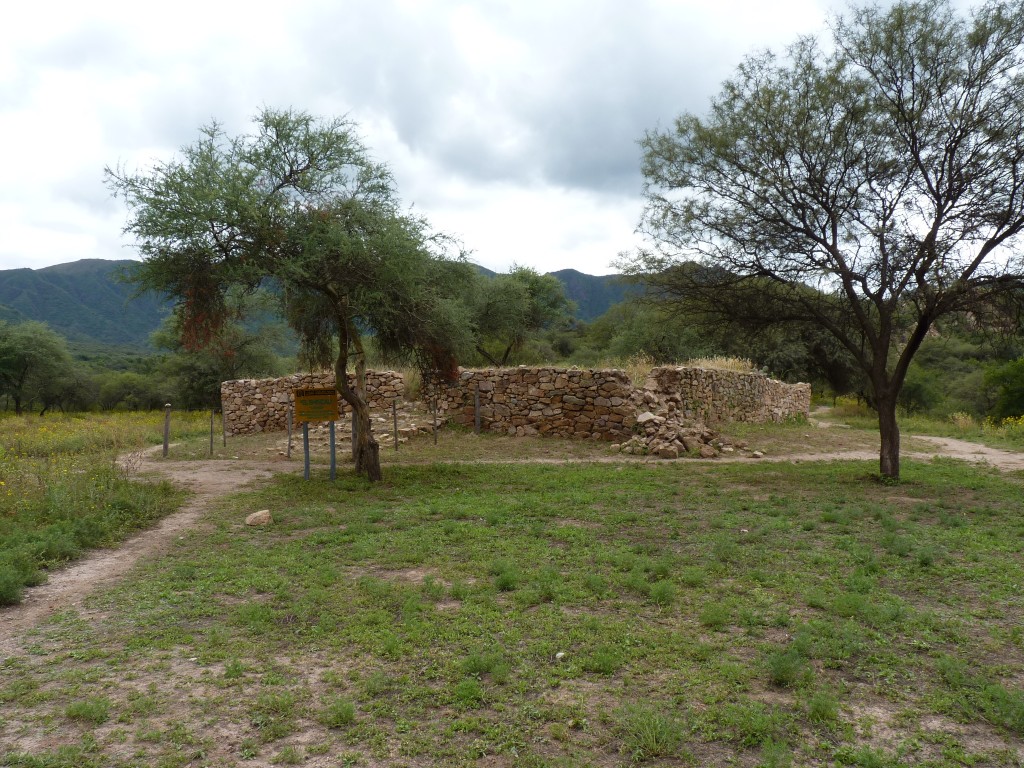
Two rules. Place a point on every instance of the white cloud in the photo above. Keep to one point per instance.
(511, 125)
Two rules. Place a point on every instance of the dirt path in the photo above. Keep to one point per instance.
(67, 588)
(946, 447)
(210, 480)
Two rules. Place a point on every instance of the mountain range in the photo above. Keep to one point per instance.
(91, 302)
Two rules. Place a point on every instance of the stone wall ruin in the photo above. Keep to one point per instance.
(713, 396)
(673, 404)
(544, 401)
(604, 405)
(262, 405)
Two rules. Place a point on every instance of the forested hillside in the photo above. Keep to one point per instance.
(84, 301)
(593, 295)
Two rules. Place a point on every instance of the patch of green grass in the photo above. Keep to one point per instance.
(94, 711)
(288, 755)
(662, 593)
(468, 693)
(273, 715)
(665, 612)
(337, 713)
(603, 660)
(823, 708)
(715, 615)
(647, 732)
(748, 723)
(787, 668)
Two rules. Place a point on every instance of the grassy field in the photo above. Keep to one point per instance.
(62, 492)
(554, 615)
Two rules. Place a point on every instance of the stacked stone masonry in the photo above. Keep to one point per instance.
(595, 404)
(713, 396)
(544, 401)
(262, 405)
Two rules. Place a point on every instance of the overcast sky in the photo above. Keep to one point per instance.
(512, 125)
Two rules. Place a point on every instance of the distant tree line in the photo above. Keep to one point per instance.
(964, 365)
(507, 319)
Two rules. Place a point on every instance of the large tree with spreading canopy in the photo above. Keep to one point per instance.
(300, 204)
(868, 186)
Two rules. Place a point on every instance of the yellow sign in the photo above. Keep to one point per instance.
(316, 404)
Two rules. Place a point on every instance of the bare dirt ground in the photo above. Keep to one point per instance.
(210, 480)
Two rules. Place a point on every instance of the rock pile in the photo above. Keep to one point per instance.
(668, 431)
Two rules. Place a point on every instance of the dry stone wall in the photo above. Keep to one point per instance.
(544, 401)
(262, 405)
(713, 396)
(674, 404)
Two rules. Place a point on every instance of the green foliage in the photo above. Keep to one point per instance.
(632, 328)
(603, 660)
(1008, 379)
(132, 392)
(338, 712)
(32, 358)
(243, 347)
(468, 693)
(823, 708)
(786, 668)
(94, 711)
(648, 732)
(510, 309)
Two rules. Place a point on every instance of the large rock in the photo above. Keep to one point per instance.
(259, 518)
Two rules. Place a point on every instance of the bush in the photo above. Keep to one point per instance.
(1009, 381)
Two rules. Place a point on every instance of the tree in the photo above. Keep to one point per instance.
(509, 309)
(635, 328)
(300, 201)
(73, 387)
(131, 391)
(31, 353)
(870, 187)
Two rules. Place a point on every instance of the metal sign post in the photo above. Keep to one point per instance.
(333, 462)
(291, 417)
(305, 450)
(316, 404)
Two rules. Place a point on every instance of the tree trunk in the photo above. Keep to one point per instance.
(366, 451)
(508, 351)
(367, 454)
(889, 453)
(487, 356)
